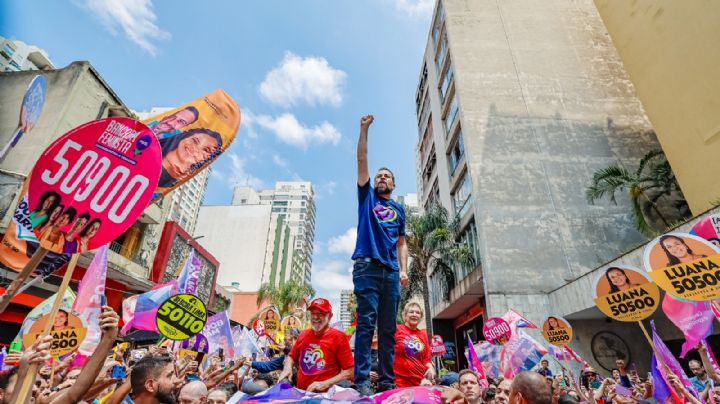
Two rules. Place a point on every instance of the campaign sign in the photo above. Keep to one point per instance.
(291, 323)
(437, 346)
(259, 327)
(181, 316)
(106, 170)
(32, 105)
(684, 265)
(86, 189)
(497, 331)
(708, 228)
(625, 293)
(67, 333)
(557, 331)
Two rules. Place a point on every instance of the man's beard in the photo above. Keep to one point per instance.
(165, 397)
(383, 189)
(319, 327)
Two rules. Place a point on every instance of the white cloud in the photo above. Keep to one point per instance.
(344, 243)
(311, 80)
(329, 278)
(136, 18)
(416, 8)
(288, 130)
(279, 161)
(248, 121)
(239, 175)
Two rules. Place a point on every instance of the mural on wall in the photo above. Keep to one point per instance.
(176, 260)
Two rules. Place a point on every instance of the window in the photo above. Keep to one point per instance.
(425, 112)
(445, 83)
(452, 113)
(437, 26)
(461, 196)
(440, 58)
(243, 201)
(456, 154)
(469, 237)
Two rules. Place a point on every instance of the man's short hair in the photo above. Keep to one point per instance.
(532, 386)
(194, 111)
(695, 361)
(392, 175)
(267, 378)
(468, 372)
(148, 367)
(6, 376)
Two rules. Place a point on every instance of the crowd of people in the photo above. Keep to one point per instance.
(317, 360)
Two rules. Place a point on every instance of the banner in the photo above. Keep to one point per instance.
(709, 229)
(86, 189)
(244, 344)
(521, 353)
(219, 334)
(89, 301)
(192, 136)
(188, 280)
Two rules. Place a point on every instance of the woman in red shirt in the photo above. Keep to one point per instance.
(413, 361)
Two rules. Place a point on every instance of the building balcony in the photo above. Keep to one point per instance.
(151, 215)
(466, 293)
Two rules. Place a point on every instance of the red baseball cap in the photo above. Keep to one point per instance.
(320, 304)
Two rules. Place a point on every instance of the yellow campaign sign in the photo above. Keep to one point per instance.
(557, 331)
(625, 293)
(67, 333)
(181, 317)
(685, 266)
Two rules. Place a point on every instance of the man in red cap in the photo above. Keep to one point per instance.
(322, 353)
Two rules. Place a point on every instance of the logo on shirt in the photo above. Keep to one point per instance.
(312, 360)
(413, 346)
(385, 213)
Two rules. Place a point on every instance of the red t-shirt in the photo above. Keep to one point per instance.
(320, 358)
(412, 355)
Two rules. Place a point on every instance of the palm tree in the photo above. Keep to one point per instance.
(285, 297)
(652, 180)
(432, 247)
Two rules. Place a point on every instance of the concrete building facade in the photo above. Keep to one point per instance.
(294, 201)
(518, 104)
(17, 56)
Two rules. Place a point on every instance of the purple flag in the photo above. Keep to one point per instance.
(669, 360)
(219, 334)
(694, 319)
(188, 280)
(475, 364)
(88, 301)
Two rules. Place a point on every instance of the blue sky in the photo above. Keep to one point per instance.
(343, 58)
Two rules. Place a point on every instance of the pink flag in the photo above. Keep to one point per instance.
(517, 320)
(694, 319)
(89, 300)
(475, 365)
(139, 311)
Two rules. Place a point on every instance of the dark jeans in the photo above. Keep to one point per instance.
(377, 289)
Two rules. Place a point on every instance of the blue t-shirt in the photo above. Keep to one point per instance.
(381, 222)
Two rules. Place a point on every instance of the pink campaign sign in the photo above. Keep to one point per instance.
(99, 177)
(496, 331)
(437, 346)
